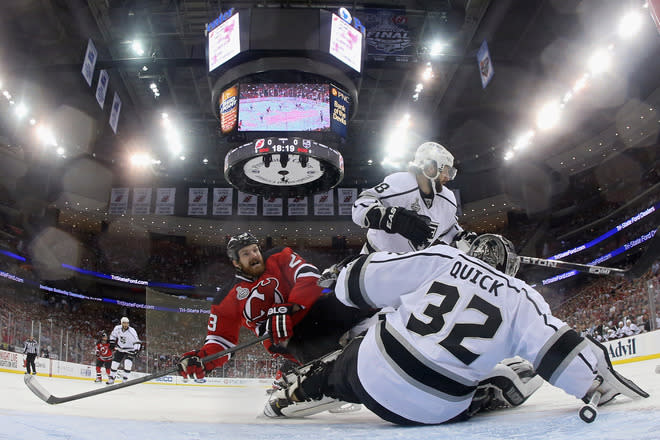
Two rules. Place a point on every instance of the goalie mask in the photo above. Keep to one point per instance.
(497, 251)
(434, 161)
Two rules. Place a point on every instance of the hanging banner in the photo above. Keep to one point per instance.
(389, 36)
(102, 87)
(197, 200)
(345, 199)
(297, 205)
(485, 64)
(118, 201)
(114, 113)
(90, 62)
(141, 201)
(273, 206)
(247, 204)
(324, 203)
(222, 201)
(165, 201)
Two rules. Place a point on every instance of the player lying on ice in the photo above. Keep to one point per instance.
(447, 319)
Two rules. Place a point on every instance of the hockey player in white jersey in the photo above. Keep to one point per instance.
(447, 323)
(410, 210)
(126, 344)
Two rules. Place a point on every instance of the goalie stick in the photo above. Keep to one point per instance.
(638, 269)
(47, 397)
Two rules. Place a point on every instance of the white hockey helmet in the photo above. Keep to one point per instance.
(434, 160)
(497, 251)
(124, 320)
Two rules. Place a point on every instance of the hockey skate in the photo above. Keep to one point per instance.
(300, 392)
(98, 380)
(110, 381)
(608, 383)
(511, 383)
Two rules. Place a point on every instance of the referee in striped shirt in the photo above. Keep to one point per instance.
(31, 348)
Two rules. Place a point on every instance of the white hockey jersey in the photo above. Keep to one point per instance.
(401, 189)
(125, 340)
(449, 319)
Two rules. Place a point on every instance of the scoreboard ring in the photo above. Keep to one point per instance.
(284, 167)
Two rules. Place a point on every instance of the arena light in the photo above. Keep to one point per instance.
(524, 140)
(20, 110)
(600, 62)
(630, 24)
(437, 47)
(140, 160)
(428, 72)
(46, 135)
(548, 116)
(508, 155)
(137, 47)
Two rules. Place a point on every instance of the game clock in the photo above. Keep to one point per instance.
(284, 166)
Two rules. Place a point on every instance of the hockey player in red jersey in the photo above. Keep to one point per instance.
(275, 293)
(103, 356)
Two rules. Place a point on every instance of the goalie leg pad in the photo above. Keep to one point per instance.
(301, 392)
(608, 382)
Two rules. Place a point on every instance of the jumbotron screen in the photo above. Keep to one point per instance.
(284, 107)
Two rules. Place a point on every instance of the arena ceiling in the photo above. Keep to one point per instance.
(539, 49)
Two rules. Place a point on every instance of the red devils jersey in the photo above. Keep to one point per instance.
(288, 278)
(103, 352)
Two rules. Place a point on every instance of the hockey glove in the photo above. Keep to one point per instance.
(463, 240)
(279, 323)
(409, 224)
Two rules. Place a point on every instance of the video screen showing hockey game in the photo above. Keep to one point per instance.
(284, 107)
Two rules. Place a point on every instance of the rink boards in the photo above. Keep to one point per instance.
(631, 349)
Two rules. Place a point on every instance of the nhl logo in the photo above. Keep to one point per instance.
(242, 293)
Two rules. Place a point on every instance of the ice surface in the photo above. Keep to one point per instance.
(167, 412)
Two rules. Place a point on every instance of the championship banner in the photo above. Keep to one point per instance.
(197, 200)
(297, 205)
(90, 62)
(114, 113)
(324, 203)
(118, 201)
(485, 64)
(222, 201)
(345, 199)
(247, 203)
(272, 206)
(102, 87)
(141, 201)
(389, 35)
(165, 201)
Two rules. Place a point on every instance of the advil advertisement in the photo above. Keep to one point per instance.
(339, 108)
(229, 109)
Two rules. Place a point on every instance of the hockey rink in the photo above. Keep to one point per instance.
(166, 412)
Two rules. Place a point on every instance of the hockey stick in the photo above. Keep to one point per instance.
(640, 267)
(44, 395)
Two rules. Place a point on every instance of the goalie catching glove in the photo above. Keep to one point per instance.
(191, 364)
(397, 220)
(279, 322)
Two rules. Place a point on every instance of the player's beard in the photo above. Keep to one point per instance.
(254, 268)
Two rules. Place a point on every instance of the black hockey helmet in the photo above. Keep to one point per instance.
(497, 251)
(102, 335)
(238, 242)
